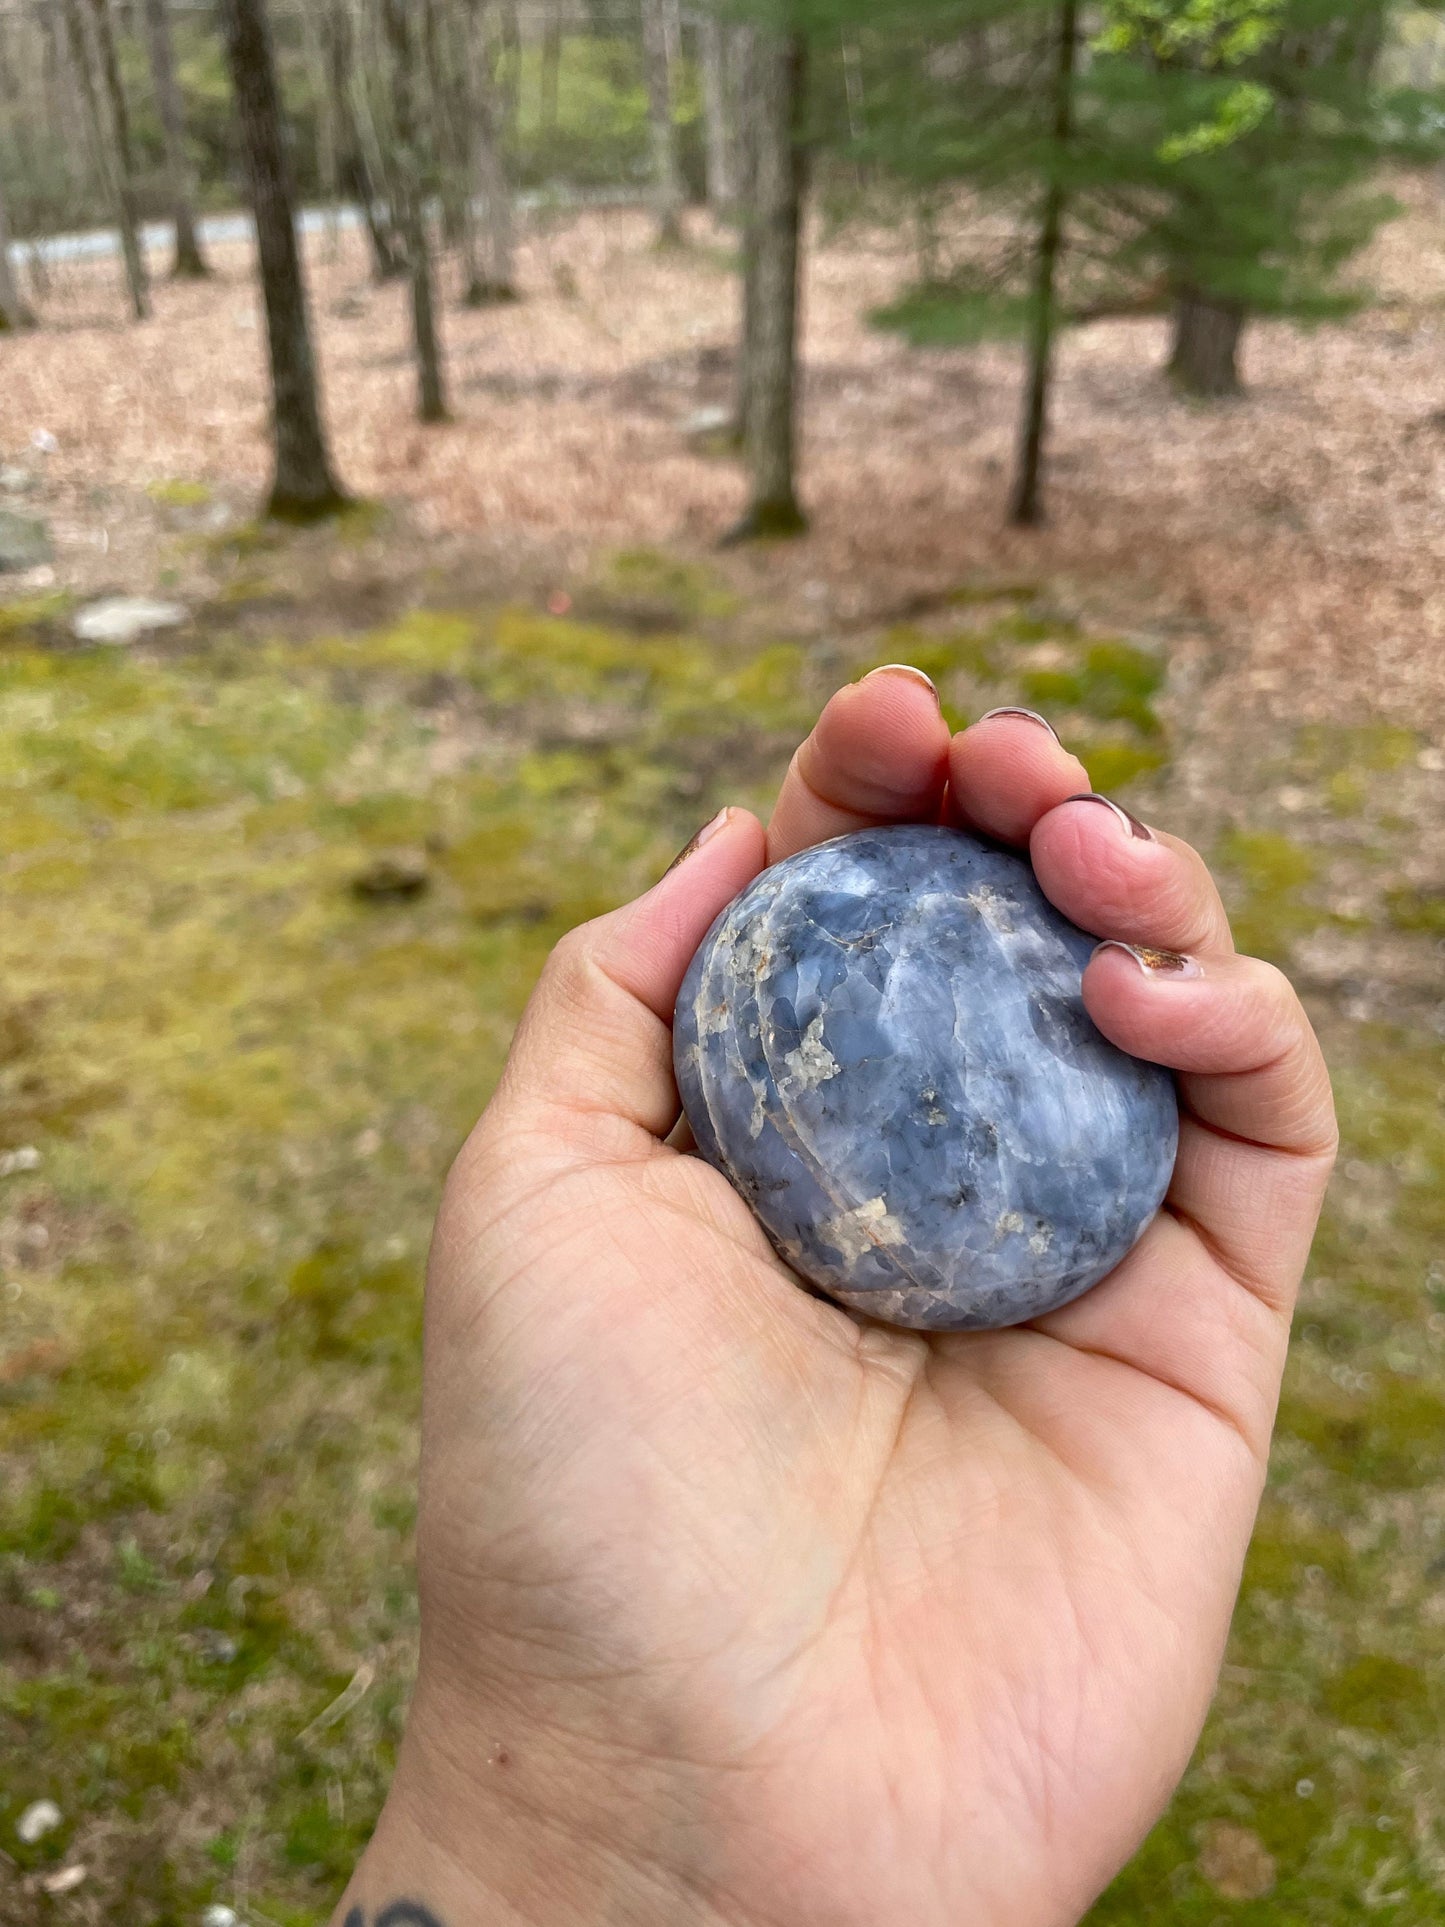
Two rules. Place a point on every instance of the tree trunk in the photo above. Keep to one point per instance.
(180, 182)
(666, 172)
(124, 152)
(509, 67)
(1027, 510)
(446, 115)
(771, 326)
(111, 158)
(1205, 357)
(411, 215)
(712, 48)
(495, 280)
(13, 311)
(551, 71)
(743, 52)
(358, 170)
(303, 488)
(328, 127)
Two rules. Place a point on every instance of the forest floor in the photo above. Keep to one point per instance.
(275, 884)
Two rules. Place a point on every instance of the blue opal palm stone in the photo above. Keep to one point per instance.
(883, 1044)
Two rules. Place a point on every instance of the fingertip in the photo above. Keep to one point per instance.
(877, 754)
(1009, 769)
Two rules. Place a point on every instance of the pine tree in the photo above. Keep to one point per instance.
(1261, 175)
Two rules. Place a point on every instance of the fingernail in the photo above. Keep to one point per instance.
(695, 843)
(1029, 715)
(1157, 963)
(904, 669)
(1130, 823)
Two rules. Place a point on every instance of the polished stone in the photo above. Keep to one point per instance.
(882, 1043)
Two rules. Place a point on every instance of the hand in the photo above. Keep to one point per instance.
(736, 1609)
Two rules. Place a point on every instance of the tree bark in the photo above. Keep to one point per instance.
(551, 70)
(13, 310)
(328, 127)
(189, 262)
(124, 150)
(1026, 509)
(359, 167)
(1205, 357)
(771, 278)
(444, 110)
(743, 51)
(411, 215)
(303, 488)
(495, 279)
(666, 171)
(712, 50)
(111, 144)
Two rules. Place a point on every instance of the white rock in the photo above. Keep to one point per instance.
(38, 1819)
(217, 1915)
(26, 1158)
(708, 421)
(42, 439)
(64, 1880)
(121, 619)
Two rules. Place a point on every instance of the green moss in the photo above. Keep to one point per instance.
(1269, 900)
(1287, 1553)
(1380, 1694)
(1417, 910)
(31, 618)
(963, 653)
(1114, 682)
(1113, 766)
(663, 590)
(1375, 747)
(1392, 1440)
(179, 494)
(425, 640)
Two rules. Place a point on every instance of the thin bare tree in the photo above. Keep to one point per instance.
(359, 163)
(717, 131)
(496, 279)
(666, 168)
(772, 233)
(411, 214)
(109, 138)
(1026, 508)
(304, 487)
(550, 70)
(14, 313)
(190, 263)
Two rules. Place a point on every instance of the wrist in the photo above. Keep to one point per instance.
(491, 1833)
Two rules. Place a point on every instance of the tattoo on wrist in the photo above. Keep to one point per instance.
(400, 1913)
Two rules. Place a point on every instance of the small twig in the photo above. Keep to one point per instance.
(359, 1687)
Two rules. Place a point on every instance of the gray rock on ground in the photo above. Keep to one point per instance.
(24, 543)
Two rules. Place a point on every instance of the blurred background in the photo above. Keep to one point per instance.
(645, 370)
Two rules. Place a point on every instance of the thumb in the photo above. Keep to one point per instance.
(595, 1043)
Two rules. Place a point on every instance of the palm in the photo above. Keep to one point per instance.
(927, 1625)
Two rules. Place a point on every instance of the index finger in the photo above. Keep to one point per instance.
(877, 754)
